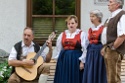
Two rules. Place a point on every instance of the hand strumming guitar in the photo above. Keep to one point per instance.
(28, 63)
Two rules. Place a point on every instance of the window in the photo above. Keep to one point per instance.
(45, 16)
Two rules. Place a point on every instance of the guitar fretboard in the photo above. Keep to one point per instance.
(40, 51)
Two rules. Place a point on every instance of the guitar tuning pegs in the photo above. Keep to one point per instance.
(55, 31)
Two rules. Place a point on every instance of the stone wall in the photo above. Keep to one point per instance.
(3, 55)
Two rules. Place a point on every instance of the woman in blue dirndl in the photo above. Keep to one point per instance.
(70, 46)
(94, 71)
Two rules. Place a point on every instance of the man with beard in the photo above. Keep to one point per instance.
(17, 57)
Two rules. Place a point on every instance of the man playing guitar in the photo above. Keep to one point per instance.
(18, 54)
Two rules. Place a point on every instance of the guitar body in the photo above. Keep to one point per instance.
(29, 73)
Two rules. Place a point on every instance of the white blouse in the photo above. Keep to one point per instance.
(94, 28)
(120, 26)
(84, 43)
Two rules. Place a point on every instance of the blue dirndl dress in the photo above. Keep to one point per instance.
(94, 71)
(67, 68)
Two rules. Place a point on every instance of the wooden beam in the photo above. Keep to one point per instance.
(29, 13)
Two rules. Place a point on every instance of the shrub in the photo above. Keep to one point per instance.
(5, 71)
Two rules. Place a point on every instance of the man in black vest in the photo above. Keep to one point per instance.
(114, 39)
(21, 49)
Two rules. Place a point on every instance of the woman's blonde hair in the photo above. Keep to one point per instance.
(72, 17)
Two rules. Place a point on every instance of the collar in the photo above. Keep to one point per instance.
(76, 32)
(96, 27)
(23, 45)
(113, 14)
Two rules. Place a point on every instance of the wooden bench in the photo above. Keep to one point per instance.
(52, 71)
(53, 67)
(123, 71)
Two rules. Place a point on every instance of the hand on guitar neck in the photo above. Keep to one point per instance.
(50, 38)
(49, 44)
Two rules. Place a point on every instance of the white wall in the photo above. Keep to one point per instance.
(12, 22)
(86, 7)
(13, 19)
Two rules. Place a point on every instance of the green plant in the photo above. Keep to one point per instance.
(5, 71)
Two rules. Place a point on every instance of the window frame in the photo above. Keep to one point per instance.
(30, 16)
(29, 12)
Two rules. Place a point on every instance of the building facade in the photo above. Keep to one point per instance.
(13, 19)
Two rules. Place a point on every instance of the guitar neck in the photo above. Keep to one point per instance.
(40, 51)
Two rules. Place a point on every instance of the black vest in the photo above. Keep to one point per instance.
(18, 49)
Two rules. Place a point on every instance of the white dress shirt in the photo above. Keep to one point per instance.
(120, 26)
(25, 51)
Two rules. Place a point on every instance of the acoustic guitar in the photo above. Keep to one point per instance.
(30, 73)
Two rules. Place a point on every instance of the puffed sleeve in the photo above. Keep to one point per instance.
(58, 46)
(121, 26)
(13, 54)
(84, 43)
